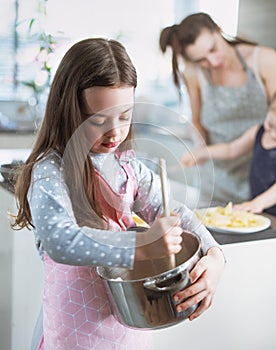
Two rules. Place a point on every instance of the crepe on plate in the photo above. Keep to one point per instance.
(228, 217)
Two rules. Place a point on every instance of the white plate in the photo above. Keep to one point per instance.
(263, 224)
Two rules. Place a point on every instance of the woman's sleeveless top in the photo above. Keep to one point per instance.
(263, 169)
(226, 113)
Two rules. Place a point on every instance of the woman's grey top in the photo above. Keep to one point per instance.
(58, 233)
(227, 112)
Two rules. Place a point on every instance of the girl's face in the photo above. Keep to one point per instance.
(109, 113)
(270, 124)
(209, 50)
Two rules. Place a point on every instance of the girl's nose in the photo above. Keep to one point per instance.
(112, 130)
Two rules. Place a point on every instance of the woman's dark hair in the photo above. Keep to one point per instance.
(88, 63)
(181, 35)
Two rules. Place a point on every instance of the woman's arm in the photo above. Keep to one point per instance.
(267, 68)
(193, 88)
(257, 205)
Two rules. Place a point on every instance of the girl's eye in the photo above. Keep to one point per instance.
(126, 116)
(97, 121)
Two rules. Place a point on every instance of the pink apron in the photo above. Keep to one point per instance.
(76, 311)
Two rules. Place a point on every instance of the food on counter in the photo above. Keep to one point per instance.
(228, 217)
(139, 221)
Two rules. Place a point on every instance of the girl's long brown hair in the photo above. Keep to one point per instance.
(88, 63)
(179, 36)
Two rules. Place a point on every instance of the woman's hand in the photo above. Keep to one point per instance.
(205, 277)
(162, 239)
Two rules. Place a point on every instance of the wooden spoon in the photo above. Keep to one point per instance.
(165, 199)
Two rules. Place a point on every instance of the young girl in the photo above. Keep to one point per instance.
(78, 190)
(262, 178)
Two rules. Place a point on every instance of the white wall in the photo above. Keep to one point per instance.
(257, 21)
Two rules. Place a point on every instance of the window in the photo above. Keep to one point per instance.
(136, 24)
(7, 58)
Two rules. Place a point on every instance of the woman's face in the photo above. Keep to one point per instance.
(108, 113)
(209, 50)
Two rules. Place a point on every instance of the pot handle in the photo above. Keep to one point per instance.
(169, 284)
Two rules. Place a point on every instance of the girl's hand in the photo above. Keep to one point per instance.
(188, 160)
(253, 206)
(261, 202)
(205, 277)
(197, 156)
(162, 239)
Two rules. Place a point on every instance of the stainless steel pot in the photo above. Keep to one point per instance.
(142, 298)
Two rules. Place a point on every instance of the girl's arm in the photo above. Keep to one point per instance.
(57, 231)
(257, 205)
(240, 146)
(148, 205)
(65, 241)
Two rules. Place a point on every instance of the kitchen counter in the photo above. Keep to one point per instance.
(243, 314)
(23, 131)
(222, 238)
(7, 155)
(7, 186)
(228, 238)
(11, 141)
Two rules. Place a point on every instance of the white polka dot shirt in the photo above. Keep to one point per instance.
(56, 229)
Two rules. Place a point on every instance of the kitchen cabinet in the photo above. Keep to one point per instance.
(243, 315)
(21, 277)
(6, 242)
(21, 272)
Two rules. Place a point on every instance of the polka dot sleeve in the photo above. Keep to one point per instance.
(57, 232)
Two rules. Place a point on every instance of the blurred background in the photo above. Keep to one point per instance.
(34, 35)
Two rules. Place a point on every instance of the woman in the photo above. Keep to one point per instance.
(230, 82)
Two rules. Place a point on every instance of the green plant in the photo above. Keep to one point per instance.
(46, 45)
